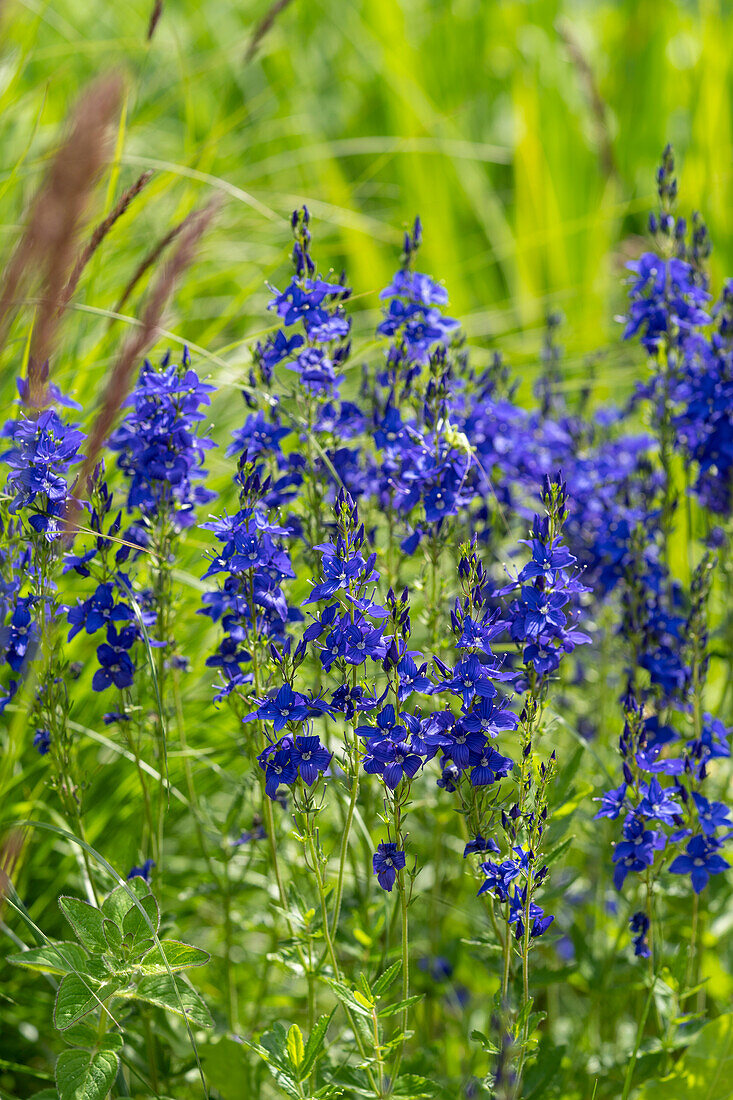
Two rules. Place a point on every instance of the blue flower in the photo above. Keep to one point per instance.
(116, 668)
(700, 862)
(310, 758)
(467, 680)
(711, 815)
(143, 871)
(480, 844)
(639, 924)
(98, 611)
(394, 761)
(612, 803)
(657, 803)
(488, 766)
(158, 442)
(635, 852)
(286, 706)
(387, 861)
(42, 741)
(278, 765)
(665, 298)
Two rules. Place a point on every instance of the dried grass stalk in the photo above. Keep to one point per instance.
(154, 18)
(100, 232)
(48, 244)
(264, 27)
(149, 261)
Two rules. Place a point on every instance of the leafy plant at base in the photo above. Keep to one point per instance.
(118, 958)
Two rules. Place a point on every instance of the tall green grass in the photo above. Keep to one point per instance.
(525, 134)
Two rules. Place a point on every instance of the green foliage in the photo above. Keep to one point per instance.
(705, 1070)
(118, 958)
(480, 117)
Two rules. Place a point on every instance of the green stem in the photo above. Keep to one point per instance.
(345, 848)
(331, 952)
(639, 1032)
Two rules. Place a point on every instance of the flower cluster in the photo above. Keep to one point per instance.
(250, 603)
(158, 443)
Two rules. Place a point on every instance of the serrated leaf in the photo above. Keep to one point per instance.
(76, 998)
(275, 1044)
(159, 991)
(87, 922)
(134, 923)
(315, 1045)
(112, 935)
(83, 1034)
(119, 900)
(53, 958)
(295, 1046)
(392, 1010)
(83, 1075)
(384, 981)
(347, 998)
(86, 1034)
(286, 1083)
(179, 956)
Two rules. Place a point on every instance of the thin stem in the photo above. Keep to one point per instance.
(330, 950)
(639, 1032)
(345, 848)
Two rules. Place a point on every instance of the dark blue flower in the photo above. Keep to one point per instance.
(310, 758)
(657, 803)
(711, 815)
(612, 802)
(116, 668)
(387, 861)
(42, 741)
(278, 765)
(143, 871)
(639, 925)
(700, 861)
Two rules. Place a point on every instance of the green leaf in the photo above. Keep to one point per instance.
(705, 1070)
(274, 1043)
(45, 1094)
(134, 923)
(315, 1045)
(118, 902)
(411, 1087)
(76, 998)
(53, 958)
(392, 1010)
(159, 991)
(347, 998)
(295, 1046)
(179, 956)
(384, 981)
(87, 922)
(83, 1075)
(112, 935)
(559, 850)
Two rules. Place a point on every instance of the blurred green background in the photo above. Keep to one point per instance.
(525, 134)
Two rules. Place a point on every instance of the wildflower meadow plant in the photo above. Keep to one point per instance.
(360, 651)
